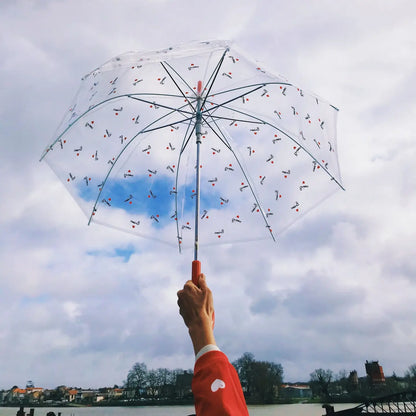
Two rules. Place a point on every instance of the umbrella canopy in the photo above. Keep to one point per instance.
(195, 142)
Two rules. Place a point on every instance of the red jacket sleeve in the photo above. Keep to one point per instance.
(216, 387)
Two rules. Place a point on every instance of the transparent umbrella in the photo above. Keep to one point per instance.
(195, 145)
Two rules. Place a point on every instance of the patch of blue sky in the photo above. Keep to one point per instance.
(147, 196)
(125, 253)
(32, 300)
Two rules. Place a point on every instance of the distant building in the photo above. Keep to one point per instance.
(71, 395)
(295, 391)
(374, 372)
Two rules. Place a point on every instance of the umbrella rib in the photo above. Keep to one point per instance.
(214, 75)
(262, 84)
(176, 84)
(144, 130)
(184, 144)
(174, 109)
(281, 131)
(93, 107)
(225, 141)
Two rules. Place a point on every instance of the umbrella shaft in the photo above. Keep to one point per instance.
(198, 133)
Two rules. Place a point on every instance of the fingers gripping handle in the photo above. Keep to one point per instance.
(196, 271)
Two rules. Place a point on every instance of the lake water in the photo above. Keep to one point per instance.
(272, 410)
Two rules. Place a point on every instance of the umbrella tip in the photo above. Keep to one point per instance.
(199, 88)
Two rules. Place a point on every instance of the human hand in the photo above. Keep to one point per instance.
(196, 307)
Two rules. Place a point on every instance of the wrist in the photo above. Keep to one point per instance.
(201, 335)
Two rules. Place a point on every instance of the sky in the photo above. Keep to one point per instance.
(81, 304)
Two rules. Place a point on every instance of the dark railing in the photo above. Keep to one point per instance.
(398, 404)
(394, 404)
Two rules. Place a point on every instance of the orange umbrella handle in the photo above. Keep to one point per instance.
(196, 271)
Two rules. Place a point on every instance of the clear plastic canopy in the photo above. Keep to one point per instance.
(126, 148)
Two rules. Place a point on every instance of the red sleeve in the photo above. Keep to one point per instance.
(216, 387)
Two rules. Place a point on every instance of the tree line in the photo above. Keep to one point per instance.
(343, 387)
(260, 381)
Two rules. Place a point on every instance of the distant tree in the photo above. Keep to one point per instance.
(410, 376)
(137, 379)
(266, 379)
(260, 379)
(165, 379)
(340, 384)
(244, 367)
(320, 381)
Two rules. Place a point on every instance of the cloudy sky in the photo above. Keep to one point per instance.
(80, 305)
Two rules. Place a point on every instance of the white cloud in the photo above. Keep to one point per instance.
(338, 288)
